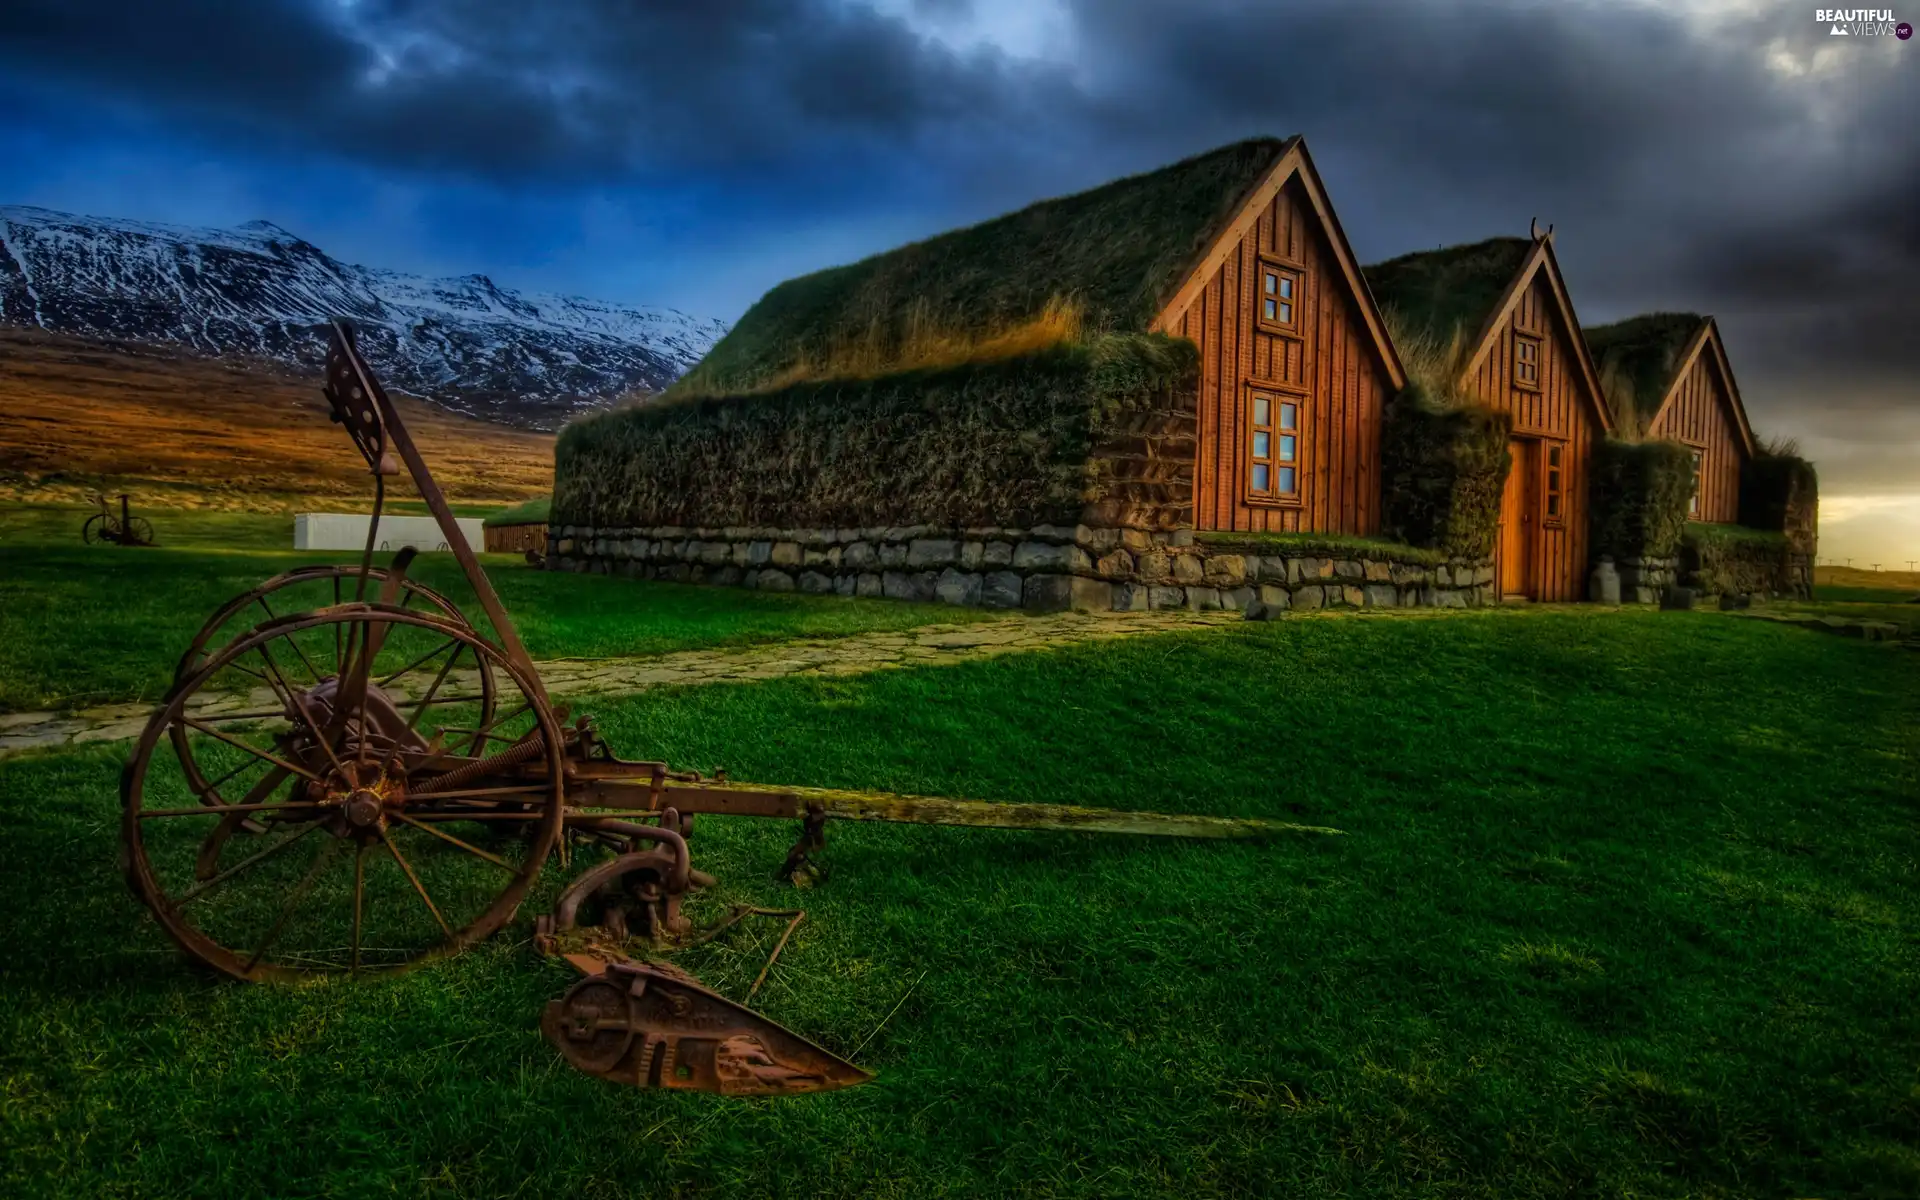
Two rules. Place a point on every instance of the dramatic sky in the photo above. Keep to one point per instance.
(1728, 156)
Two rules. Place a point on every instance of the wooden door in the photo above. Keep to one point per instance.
(1519, 526)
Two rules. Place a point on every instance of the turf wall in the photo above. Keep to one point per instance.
(1098, 432)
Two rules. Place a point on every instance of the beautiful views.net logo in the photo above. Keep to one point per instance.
(1862, 22)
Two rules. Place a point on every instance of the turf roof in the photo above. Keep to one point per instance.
(1643, 352)
(527, 512)
(1456, 288)
(1120, 250)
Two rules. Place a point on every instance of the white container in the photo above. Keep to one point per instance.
(348, 531)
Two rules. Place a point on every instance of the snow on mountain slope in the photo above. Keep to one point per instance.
(259, 291)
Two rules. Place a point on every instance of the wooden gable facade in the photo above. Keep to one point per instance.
(1502, 306)
(1295, 366)
(1532, 362)
(1685, 393)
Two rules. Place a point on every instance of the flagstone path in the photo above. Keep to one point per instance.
(855, 655)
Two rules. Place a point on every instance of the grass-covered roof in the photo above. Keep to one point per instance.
(1440, 293)
(527, 512)
(1636, 359)
(1116, 254)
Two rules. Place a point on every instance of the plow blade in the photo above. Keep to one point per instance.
(637, 1025)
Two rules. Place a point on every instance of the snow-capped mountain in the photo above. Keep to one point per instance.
(260, 291)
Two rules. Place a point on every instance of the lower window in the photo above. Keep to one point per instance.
(1273, 451)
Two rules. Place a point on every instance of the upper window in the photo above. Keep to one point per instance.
(1526, 361)
(1555, 491)
(1693, 502)
(1279, 296)
(1273, 452)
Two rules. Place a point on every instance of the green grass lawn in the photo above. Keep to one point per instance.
(1861, 595)
(1626, 907)
(83, 625)
(1865, 607)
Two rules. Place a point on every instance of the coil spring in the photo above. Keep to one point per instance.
(534, 746)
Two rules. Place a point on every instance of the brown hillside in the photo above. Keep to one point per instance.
(180, 431)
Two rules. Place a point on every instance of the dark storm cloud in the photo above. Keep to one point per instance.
(558, 91)
(1746, 165)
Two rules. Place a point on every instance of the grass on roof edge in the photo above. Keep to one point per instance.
(527, 512)
(1711, 534)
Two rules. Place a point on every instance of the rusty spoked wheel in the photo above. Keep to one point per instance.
(307, 660)
(344, 839)
(304, 589)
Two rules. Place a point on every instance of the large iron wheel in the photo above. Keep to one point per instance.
(343, 836)
(139, 532)
(304, 589)
(312, 659)
(99, 528)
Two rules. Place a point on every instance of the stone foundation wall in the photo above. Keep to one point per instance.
(1044, 569)
(1643, 579)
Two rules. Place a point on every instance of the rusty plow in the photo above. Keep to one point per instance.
(398, 779)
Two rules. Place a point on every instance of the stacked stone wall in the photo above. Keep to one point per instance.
(1044, 568)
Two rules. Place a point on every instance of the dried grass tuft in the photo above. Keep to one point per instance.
(930, 343)
(1433, 362)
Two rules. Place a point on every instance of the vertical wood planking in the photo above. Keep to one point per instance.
(1700, 416)
(1341, 384)
(1558, 411)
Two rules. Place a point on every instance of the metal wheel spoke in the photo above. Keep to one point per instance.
(211, 788)
(304, 660)
(246, 670)
(455, 642)
(263, 715)
(479, 735)
(262, 788)
(495, 859)
(319, 734)
(204, 810)
(210, 731)
(420, 709)
(293, 900)
(498, 721)
(485, 731)
(479, 816)
(393, 848)
(452, 700)
(277, 681)
(206, 885)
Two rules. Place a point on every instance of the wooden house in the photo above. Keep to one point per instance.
(1666, 376)
(1237, 249)
(1492, 323)
(521, 529)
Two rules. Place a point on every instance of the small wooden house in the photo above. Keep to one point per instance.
(1493, 324)
(1237, 249)
(521, 529)
(1295, 364)
(1667, 376)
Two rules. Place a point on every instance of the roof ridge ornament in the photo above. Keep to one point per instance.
(1533, 229)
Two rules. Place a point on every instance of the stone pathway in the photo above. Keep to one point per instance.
(855, 655)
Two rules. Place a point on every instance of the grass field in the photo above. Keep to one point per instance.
(1626, 907)
(82, 625)
(178, 431)
(1837, 582)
